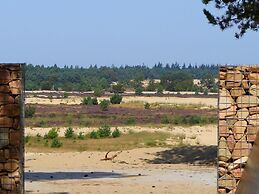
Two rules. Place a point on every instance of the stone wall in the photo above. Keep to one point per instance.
(238, 122)
(11, 129)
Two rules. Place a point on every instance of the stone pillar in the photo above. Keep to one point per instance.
(238, 122)
(11, 129)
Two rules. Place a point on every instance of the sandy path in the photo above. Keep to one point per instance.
(195, 135)
(129, 173)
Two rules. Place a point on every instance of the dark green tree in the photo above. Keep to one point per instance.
(241, 13)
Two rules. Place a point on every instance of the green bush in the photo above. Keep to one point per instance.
(81, 136)
(116, 99)
(131, 121)
(94, 101)
(206, 92)
(69, 133)
(29, 111)
(104, 131)
(138, 91)
(160, 90)
(56, 143)
(98, 92)
(165, 120)
(87, 101)
(27, 138)
(94, 135)
(104, 105)
(116, 133)
(65, 95)
(147, 105)
(52, 134)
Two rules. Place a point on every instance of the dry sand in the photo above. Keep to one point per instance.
(129, 173)
(194, 135)
(206, 102)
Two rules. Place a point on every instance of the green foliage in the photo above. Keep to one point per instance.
(138, 90)
(130, 121)
(104, 104)
(94, 101)
(89, 101)
(116, 133)
(177, 81)
(206, 92)
(69, 133)
(65, 95)
(86, 79)
(160, 89)
(104, 131)
(147, 105)
(27, 138)
(56, 143)
(81, 136)
(151, 85)
(118, 88)
(189, 120)
(116, 99)
(29, 111)
(98, 92)
(94, 135)
(242, 14)
(52, 134)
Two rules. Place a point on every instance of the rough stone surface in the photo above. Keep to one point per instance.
(10, 130)
(247, 101)
(223, 153)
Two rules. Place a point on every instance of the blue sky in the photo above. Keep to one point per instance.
(84, 32)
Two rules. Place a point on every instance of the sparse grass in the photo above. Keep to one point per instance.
(124, 142)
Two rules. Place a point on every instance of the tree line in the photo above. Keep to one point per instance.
(173, 77)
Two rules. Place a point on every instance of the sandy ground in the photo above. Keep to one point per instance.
(207, 102)
(194, 135)
(132, 172)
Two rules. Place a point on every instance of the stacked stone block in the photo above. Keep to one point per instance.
(11, 129)
(238, 122)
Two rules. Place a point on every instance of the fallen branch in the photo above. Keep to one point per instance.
(110, 158)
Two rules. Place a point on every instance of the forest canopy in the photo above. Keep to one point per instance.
(74, 78)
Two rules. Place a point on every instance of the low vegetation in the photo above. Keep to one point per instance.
(29, 111)
(127, 141)
(90, 101)
(104, 104)
(116, 99)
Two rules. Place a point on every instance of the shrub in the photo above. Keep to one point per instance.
(52, 134)
(104, 105)
(56, 143)
(165, 120)
(160, 90)
(65, 95)
(104, 131)
(138, 90)
(27, 138)
(29, 111)
(131, 121)
(94, 135)
(69, 133)
(147, 105)
(206, 92)
(94, 101)
(116, 133)
(116, 99)
(98, 92)
(87, 101)
(81, 136)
